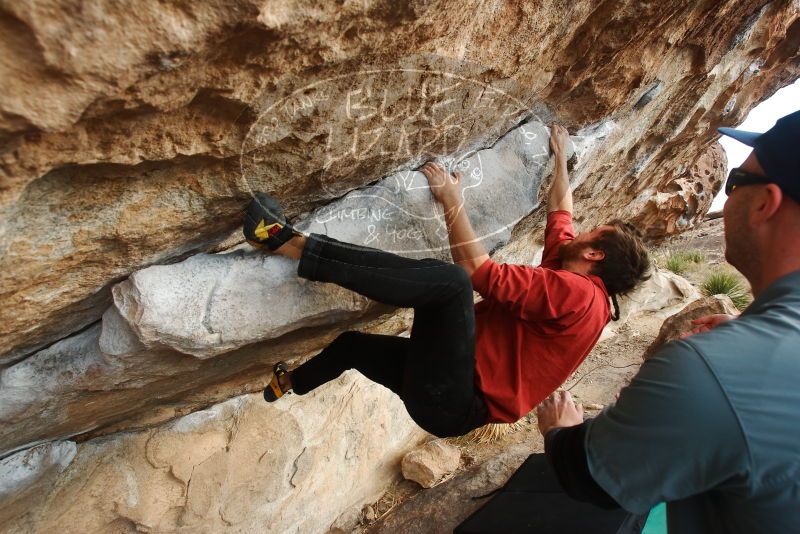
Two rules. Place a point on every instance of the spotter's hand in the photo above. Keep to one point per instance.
(558, 410)
(704, 324)
(445, 188)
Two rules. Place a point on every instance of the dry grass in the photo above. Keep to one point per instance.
(681, 261)
(386, 504)
(492, 432)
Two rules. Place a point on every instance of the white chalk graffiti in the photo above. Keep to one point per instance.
(390, 121)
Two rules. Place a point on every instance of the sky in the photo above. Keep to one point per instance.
(760, 119)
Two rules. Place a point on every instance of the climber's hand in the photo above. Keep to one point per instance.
(559, 140)
(445, 188)
(704, 324)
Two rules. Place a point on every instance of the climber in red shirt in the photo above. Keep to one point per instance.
(465, 365)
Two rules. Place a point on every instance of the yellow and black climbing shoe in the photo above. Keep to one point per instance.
(265, 224)
(274, 390)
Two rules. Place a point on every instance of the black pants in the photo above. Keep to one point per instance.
(433, 371)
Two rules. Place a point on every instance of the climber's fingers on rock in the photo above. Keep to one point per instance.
(558, 131)
(434, 172)
(559, 137)
(429, 168)
(437, 179)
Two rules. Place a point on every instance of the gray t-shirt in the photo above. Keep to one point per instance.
(711, 425)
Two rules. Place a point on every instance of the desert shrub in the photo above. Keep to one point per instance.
(727, 283)
(695, 256)
(681, 260)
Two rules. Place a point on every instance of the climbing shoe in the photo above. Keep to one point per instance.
(274, 390)
(265, 224)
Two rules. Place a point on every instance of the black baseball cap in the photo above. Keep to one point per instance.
(777, 150)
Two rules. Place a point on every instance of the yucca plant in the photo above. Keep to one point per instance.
(727, 283)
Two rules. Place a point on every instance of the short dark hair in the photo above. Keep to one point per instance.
(626, 262)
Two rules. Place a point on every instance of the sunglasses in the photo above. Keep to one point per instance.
(737, 178)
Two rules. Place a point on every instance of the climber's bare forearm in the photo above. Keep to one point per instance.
(560, 198)
(560, 194)
(465, 247)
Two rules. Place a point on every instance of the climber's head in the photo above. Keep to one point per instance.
(614, 252)
(762, 212)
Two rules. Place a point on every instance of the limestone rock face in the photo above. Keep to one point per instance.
(398, 214)
(431, 462)
(241, 465)
(681, 203)
(680, 323)
(135, 138)
(212, 304)
(26, 476)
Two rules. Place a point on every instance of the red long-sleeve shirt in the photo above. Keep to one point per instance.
(534, 326)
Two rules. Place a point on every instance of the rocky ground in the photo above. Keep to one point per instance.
(607, 369)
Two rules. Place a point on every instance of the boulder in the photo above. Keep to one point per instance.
(662, 294)
(243, 303)
(444, 507)
(130, 141)
(431, 462)
(243, 465)
(681, 203)
(212, 304)
(103, 379)
(680, 323)
(139, 136)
